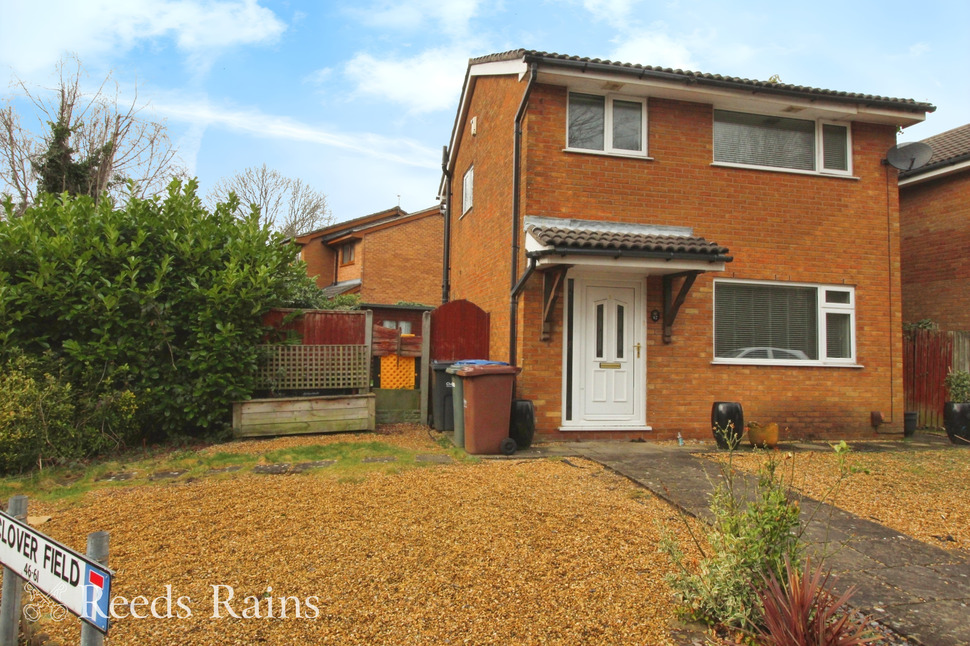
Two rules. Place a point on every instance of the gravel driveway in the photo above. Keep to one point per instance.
(510, 552)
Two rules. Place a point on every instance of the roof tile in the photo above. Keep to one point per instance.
(624, 241)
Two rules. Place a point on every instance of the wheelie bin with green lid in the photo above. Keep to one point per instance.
(487, 402)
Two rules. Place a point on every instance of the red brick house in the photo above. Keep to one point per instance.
(648, 241)
(386, 257)
(934, 217)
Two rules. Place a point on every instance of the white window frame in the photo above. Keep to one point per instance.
(819, 147)
(608, 148)
(822, 308)
(467, 190)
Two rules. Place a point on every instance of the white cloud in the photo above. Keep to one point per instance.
(614, 12)
(654, 48)
(918, 49)
(427, 82)
(34, 35)
(452, 17)
(252, 122)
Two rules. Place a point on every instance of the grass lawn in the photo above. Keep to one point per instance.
(365, 552)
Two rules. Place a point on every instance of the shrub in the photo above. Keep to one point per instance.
(44, 418)
(748, 541)
(799, 610)
(957, 384)
(161, 299)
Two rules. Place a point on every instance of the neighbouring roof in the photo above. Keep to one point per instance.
(702, 78)
(341, 288)
(949, 148)
(363, 224)
(563, 239)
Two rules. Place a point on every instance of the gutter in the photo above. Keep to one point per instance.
(446, 212)
(690, 79)
(516, 284)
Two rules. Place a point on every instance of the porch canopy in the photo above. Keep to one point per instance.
(556, 244)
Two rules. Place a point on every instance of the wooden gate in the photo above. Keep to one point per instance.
(928, 355)
(459, 330)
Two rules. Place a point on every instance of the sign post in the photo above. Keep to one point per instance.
(77, 582)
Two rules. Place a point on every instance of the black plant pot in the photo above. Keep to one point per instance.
(956, 419)
(727, 423)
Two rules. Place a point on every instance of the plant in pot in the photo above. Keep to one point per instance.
(763, 436)
(956, 410)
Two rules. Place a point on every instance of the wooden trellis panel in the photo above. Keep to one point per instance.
(314, 367)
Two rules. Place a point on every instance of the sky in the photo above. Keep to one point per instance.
(358, 98)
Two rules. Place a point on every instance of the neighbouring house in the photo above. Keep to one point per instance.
(648, 241)
(934, 217)
(388, 258)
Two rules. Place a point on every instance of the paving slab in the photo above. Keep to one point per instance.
(271, 469)
(434, 458)
(302, 467)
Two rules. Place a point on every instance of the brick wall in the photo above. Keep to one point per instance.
(404, 262)
(481, 251)
(778, 226)
(319, 260)
(351, 270)
(935, 221)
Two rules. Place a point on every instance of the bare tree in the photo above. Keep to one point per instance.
(92, 144)
(286, 204)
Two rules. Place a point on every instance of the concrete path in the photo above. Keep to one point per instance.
(920, 591)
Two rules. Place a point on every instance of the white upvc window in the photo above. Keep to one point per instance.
(609, 123)
(769, 141)
(761, 322)
(467, 190)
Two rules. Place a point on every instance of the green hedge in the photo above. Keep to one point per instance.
(162, 298)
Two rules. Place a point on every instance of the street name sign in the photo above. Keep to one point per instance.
(76, 582)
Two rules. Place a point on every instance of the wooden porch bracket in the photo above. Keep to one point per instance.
(672, 305)
(551, 282)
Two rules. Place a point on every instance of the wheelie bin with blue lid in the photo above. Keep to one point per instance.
(458, 395)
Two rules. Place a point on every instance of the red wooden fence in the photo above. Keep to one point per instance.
(320, 327)
(459, 330)
(927, 358)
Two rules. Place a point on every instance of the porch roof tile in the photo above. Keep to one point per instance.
(574, 238)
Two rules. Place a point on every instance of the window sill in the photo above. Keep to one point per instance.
(592, 427)
(790, 171)
(465, 212)
(785, 364)
(604, 153)
(348, 264)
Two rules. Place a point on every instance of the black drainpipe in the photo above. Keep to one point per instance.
(516, 183)
(446, 212)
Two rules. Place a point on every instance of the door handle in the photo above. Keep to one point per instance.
(637, 346)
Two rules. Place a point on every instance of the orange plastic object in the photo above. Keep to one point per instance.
(397, 372)
(488, 403)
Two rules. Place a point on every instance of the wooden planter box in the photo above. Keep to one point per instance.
(299, 415)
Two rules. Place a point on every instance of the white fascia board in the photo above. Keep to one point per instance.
(495, 68)
(500, 68)
(627, 264)
(741, 99)
(934, 174)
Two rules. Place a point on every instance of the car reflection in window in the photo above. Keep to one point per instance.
(785, 354)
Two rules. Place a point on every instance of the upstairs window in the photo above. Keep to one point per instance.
(783, 323)
(609, 124)
(467, 190)
(347, 254)
(780, 142)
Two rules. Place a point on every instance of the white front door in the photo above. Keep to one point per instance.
(608, 359)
